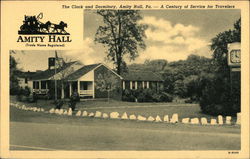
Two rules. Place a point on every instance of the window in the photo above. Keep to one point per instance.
(139, 84)
(145, 84)
(26, 80)
(83, 85)
(127, 83)
(133, 84)
(43, 84)
(35, 84)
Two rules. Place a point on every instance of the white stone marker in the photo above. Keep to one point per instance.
(238, 121)
(174, 118)
(98, 114)
(65, 112)
(60, 111)
(150, 118)
(213, 122)
(56, 111)
(166, 119)
(141, 118)
(195, 121)
(132, 117)
(185, 120)
(220, 120)
(78, 113)
(204, 121)
(70, 112)
(91, 114)
(124, 116)
(105, 115)
(114, 115)
(158, 119)
(85, 113)
(228, 120)
(52, 110)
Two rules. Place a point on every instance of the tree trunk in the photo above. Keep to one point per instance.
(119, 62)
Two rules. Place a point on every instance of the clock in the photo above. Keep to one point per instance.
(235, 56)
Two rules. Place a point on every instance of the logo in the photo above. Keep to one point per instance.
(32, 25)
(35, 31)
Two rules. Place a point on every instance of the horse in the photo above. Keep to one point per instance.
(60, 27)
(45, 26)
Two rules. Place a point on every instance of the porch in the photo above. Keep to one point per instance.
(85, 89)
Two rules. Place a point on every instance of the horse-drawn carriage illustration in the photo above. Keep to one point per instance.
(32, 25)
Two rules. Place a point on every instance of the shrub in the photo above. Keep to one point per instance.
(165, 97)
(59, 103)
(146, 95)
(218, 98)
(23, 94)
(128, 96)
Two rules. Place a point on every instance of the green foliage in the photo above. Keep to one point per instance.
(106, 82)
(220, 96)
(146, 95)
(59, 103)
(14, 87)
(181, 78)
(219, 47)
(121, 34)
(23, 94)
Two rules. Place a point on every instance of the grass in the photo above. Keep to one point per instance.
(144, 109)
(78, 133)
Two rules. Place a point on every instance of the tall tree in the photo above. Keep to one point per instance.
(122, 34)
(13, 74)
(219, 46)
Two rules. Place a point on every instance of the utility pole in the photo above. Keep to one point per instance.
(55, 77)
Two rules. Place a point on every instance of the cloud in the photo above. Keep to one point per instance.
(87, 55)
(168, 41)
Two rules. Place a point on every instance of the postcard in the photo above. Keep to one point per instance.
(124, 79)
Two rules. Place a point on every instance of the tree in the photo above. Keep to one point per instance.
(14, 87)
(220, 96)
(122, 34)
(106, 82)
(219, 46)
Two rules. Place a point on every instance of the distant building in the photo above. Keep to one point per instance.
(24, 78)
(85, 78)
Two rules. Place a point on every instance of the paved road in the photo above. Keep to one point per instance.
(43, 136)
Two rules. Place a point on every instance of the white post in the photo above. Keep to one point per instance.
(135, 84)
(70, 89)
(40, 84)
(123, 85)
(143, 85)
(147, 84)
(130, 84)
(62, 90)
(78, 87)
(93, 85)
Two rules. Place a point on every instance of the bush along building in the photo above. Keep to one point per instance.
(95, 81)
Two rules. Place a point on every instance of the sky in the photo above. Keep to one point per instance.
(172, 35)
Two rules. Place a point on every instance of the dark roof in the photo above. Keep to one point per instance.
(50, 72)
(82, 71)
(136, 75)
(25, 74)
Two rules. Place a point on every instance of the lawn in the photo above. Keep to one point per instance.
(144, 109)
(55, 132)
